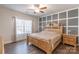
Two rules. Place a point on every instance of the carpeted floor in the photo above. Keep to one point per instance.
(22, 48)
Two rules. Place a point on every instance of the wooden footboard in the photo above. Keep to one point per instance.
(45, 46)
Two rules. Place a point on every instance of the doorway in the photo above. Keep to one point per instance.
(23, 27)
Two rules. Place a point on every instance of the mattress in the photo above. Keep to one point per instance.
(47, 36)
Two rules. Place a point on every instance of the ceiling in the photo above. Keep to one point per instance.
(51, 8)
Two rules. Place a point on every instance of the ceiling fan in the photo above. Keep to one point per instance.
(38, 8)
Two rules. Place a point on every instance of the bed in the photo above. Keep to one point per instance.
(48, 39)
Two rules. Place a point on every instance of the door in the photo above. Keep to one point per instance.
(23, 27)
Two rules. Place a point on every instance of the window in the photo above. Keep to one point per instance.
(23, 26)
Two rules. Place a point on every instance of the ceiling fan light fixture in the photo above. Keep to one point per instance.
(42, 5)
(37, 10)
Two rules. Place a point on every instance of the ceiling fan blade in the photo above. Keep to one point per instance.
(42, 11)
(43, 8)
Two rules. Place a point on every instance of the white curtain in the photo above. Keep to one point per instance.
(23, 27)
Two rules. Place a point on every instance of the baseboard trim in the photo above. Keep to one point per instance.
(15, 42)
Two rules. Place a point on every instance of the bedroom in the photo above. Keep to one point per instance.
(19, 21)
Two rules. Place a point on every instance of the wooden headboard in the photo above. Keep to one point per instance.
(54, 27)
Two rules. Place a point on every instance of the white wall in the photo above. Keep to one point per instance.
(7, 23)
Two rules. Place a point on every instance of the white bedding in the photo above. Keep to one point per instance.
(47, 36)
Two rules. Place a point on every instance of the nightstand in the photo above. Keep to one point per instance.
(70, 40)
